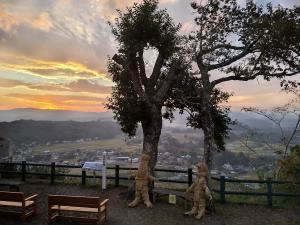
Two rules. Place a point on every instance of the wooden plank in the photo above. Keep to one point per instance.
(75, 209)
(80, 201)
(11, 196)
(16, 204)
(79, 219)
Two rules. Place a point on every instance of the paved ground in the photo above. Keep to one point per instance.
(161, 214)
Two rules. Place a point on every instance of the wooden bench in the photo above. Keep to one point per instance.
(16, 203)
(60, 205)
(157, 192)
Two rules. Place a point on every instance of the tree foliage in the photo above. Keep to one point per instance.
(290, 166)
(247, 42)
(140, 28)
(241, 43)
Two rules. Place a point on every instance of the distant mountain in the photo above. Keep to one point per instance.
(52, 115)
(249, 119)
(246, 118)
(28, 131)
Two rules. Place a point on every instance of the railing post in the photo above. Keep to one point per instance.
(23, 170)
(270, 193)
(117, 175)
(52, 172)
(190, 176)
(83, 177)
(222, 189)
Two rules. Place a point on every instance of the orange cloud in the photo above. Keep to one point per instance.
(76, 86)
(88, 86)
(42, 22)
(263, 100)
(7, 21)
(11, 83)
(81, 103)
(48, 69)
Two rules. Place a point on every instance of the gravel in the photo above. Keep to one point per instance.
(162, 214)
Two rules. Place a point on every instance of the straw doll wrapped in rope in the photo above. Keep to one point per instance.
(142, 181)
(201, 192)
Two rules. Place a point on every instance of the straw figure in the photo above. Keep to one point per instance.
(201, 192)
(142, 181)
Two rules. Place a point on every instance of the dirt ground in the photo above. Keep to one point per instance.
(162, 214)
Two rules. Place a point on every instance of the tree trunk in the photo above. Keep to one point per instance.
(206, 120)
(208, 130)
(152, 126)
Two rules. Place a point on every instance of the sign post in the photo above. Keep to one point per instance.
(97, 166)
(104, 171)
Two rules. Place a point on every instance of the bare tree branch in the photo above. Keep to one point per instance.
(233, 77)
(252, 77)
(156, 70)
(226, 46)
(248, 49)
(291, 137)
(142, 67)
(134, 76)
(175, 73)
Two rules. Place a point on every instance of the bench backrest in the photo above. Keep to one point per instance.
(79, 201)
(11, 196)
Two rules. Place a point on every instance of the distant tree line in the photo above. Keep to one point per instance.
(28, 131)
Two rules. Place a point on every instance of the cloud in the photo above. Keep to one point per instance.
(261, 100)
(43, 22)
(55, 98)
(11, 83)
(57, 31)
(88, 86)
(60, 47)
(7, 21)
(71, 102)
(10, 21)
(49, 69)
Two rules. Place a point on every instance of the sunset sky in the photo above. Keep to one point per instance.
(53, 54)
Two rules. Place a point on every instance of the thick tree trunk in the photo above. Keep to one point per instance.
(152, 126)
(208, 130)
(206, 120)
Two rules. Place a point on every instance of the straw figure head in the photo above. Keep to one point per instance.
(202, 169)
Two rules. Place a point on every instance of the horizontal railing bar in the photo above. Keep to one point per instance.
(173, 181)
(245, 193)
(245, 181)
(279, 194)
(38, 164)
(15, 172)
(69, 166)
(170, 171)
(7, 163)
(67, 175)
(40, 174)
(127, 168)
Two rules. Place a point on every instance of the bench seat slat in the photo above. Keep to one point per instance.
(16, 204)
(79, 219)
(73, 208)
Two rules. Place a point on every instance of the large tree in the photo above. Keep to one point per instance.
(139, 95)
(242, 43)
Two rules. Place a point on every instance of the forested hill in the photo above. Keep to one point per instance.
(27, 131)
